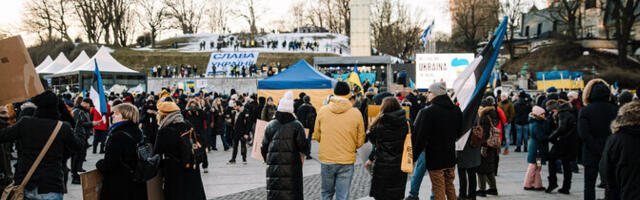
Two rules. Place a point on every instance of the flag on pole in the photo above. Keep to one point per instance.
(425, 35)
(97, 91)
(355, 79)
(84, 93)
(471, 84)
(412, 84)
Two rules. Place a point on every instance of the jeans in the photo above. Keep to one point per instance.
(33, 195)
(590, 177)
(336, 179)
(523, 134)
(467, 177)
(507, 135)
(214, 141)
(418, 175)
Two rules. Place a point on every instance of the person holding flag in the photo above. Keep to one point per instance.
(354, 78)
(100, 111)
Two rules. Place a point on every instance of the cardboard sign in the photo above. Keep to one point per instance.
(374, 110)
(258, 137)
(91, 185)
(18, 78)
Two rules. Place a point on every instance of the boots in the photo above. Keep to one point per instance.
(506, 151)
(518, 149)
(75, 179)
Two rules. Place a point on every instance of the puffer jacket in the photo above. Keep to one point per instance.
(620, 164)
(388, 135)
(283, 144)
(340, 130)
(538, 145)
(564, 136)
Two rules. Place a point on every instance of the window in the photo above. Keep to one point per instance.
(539, 29)
(526, 31)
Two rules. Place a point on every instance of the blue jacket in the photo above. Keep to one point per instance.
(538, 146)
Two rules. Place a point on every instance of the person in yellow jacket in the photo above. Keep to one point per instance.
(340, 130)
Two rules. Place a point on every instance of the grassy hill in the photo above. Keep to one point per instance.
(143, 60)
(569, 56)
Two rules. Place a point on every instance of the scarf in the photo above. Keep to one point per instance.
(172, 118)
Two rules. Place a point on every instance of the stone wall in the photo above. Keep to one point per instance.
(241, 85)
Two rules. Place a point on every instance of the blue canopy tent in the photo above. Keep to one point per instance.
(299, 77)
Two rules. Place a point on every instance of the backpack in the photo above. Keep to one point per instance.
(476, 135)
(148, 164)
(191, 151)
(494, 136)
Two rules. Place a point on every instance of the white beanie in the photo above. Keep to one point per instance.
(286, 103)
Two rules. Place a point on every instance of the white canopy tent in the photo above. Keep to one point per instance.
(81, 59)
(112, 72)
(44, 63)
(58, 64)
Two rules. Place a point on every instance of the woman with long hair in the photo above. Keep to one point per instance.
(194, 114)
(218, 124)
(387, 133)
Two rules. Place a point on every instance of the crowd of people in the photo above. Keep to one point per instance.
(174, 71)
(235, 71)
(292, 45)
(592, 127)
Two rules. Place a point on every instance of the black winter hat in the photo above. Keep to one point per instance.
(600, 92)
(306, 99)
(47, 99)
(341, 89)
(89, 101)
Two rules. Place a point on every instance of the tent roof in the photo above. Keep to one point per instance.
(44, 63)
(106, 63)
(58, 64)
(81, 59)
(299, 76)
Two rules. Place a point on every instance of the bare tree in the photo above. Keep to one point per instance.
(105, 16)
(298, 11)
(565, 13)
(120, 25)
(250, 10)
(218, 16)
(344, 10)
(624, 15)
(395, 29)
(513, 10)
(473, 19)
(154, 16)
(61, 9)
(88, 17)
(187, 13)
(39, 16)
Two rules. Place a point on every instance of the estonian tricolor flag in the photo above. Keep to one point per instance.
(472, 83)
(97, 91)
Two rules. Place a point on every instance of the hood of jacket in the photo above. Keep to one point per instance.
(395, 118)
(596, 90)
(339, 106)
(444, 101)
(628, 117)
(484, 111)
(284, 118)
(564, 106)
(533, 118)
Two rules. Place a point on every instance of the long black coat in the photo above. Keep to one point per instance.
(149, 123)
(120, 159)
(437, 128)
(522, 109)
(218, 121)
(283, 144)
(620, 163)
(388, 135)
(307, 116)
(488, 115)
(179, 182)
(32, 133)
(593, 127)
(197, 119)
(564, 137)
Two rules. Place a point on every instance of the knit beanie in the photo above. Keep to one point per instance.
(286, 103)
(167, 107)
(341, 89)
(438, 88)
(537, 110)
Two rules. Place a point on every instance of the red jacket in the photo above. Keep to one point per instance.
(503, 120)
(97, 116)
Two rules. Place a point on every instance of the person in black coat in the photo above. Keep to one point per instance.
(594, 120)
(196, 117)
(218, 125)
(83, 130)
(240, 132)
(180, 181)
(121, 158)
(387, 133)
(564, 138)
(522, 108)
(149, 121)
(306, 114)
(619, 163)
(489, 118)
(435, 134)
(283, 148)
(32, 133)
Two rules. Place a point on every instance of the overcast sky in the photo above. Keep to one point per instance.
(437, 10)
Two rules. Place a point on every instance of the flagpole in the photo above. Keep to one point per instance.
(544, 84)
(562, 79)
